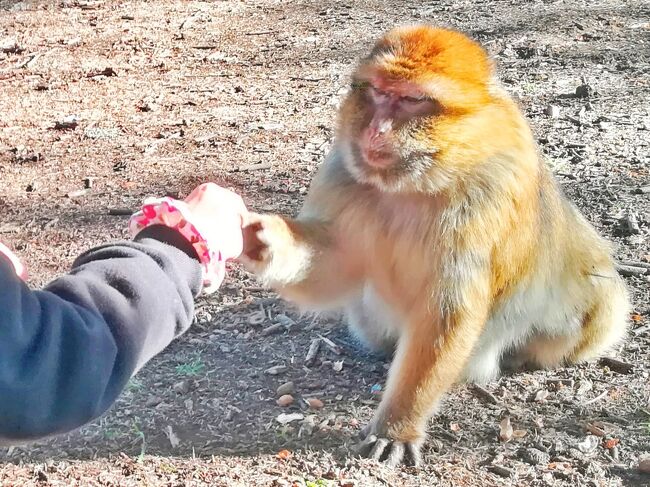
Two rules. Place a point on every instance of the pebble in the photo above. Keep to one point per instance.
(644, 465)
(535, 456)
(182, 387)
(285, 400)
(315, 403)
(553, 111)
(276, 369)
(286, 388)
(589, 444)
(153, 401)
(584, 91)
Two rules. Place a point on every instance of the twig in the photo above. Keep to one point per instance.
(252, 167)
(641, 329)
(635, 264)
(9, 229)
(30, 59)
(595, 399)
(261, 33)
(629, 270)
(298, 78)
(331, 345)
(120, 211)
(270, 330)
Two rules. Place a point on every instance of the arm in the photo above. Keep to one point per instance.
(66, 352)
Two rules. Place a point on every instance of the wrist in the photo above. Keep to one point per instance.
(177, 216)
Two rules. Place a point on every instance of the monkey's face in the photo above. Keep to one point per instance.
(413, 100)
(382, 121)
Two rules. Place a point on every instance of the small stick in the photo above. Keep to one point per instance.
(313, 351)
(629, 270)
(595, 399)
(252, 167)
(270, 330)
(331, 345)
(120, 211)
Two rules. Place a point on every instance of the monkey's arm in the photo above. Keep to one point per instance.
(424, 369)
(66, 352)
(299, 258)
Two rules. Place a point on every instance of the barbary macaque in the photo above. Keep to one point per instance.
(438, 229)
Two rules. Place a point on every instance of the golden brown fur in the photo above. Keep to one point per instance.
(454, 244)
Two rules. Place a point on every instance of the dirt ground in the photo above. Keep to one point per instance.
(103, 103)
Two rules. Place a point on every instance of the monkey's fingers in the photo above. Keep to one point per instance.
(365, 446)
(414, 454)
(382, 445)
(396, 454)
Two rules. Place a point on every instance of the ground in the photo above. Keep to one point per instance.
(103, 103)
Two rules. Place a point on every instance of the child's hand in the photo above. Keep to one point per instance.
(221, 213)
(18, 266)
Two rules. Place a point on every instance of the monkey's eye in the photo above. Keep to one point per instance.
(360, 85)
(414, 99)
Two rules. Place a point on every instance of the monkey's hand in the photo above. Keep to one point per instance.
(385, 444)
(272, 250)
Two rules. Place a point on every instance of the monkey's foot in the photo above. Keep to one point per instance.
(378, 446)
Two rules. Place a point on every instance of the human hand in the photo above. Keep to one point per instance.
(20, 269)
(221, 214)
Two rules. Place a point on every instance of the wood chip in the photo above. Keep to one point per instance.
(484, 394)
(313, 351)
(617, 365)
(270, 330)
(500, 470)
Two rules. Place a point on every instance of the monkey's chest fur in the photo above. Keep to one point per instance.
(404, 246)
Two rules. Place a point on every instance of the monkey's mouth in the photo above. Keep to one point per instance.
(380, 159)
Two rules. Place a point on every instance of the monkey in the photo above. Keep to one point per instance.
(437, 228)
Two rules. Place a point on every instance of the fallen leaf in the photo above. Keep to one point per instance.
(519, 433)
(644, 465)
(636, 317)
(611, 443)
(505, 430)
(454, 427)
